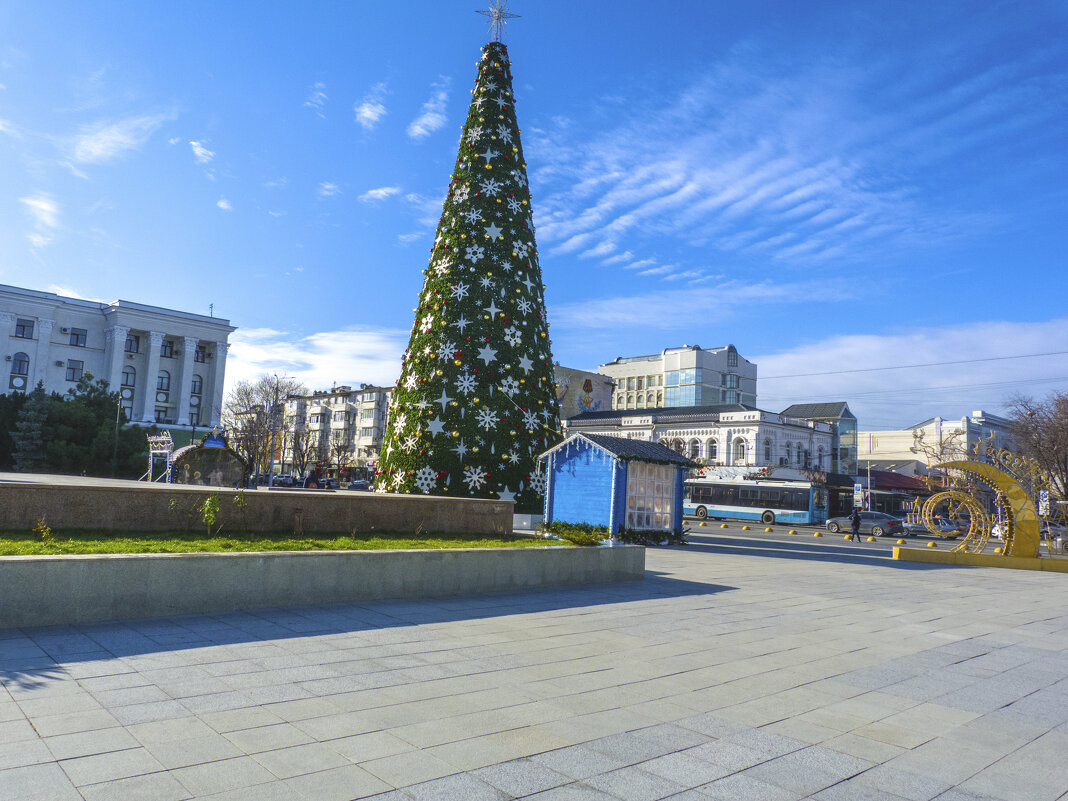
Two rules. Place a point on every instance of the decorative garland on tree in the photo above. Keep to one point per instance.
(476, 400)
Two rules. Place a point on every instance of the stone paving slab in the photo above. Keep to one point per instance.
(732, 671)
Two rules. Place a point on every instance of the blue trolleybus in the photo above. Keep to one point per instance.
(730, 496)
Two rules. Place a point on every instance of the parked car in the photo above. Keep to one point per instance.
(359, 485)
(328, 483)
(282, 480)
(877, 524)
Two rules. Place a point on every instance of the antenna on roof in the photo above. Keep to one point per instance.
(211, 310)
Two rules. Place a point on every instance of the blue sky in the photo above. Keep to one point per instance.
(841, 190)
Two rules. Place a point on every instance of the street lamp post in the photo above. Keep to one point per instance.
(273, 412)
(115, 445)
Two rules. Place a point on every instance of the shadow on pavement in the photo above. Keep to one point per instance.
(34, 657)
(800, 550)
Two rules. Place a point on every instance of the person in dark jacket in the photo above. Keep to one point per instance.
(312, 481)
(854, 521)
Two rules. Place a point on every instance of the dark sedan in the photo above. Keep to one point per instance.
(877, 524)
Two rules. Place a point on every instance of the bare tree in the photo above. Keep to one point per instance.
(1041, 432)
(950, 446)
(248, 413)
(340, 440)
(302, 448)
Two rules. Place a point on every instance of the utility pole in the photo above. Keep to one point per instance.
(115, 446)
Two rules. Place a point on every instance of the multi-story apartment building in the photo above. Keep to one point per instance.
(686, 376)
(167, 366)
(341, 420)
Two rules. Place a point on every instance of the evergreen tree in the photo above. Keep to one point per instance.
(29, 434)
(10, 406)
(476, 401)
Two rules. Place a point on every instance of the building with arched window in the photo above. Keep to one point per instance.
(168, 366)
(732, 434)
(686, 376)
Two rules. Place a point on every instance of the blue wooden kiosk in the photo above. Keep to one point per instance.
(614, 482)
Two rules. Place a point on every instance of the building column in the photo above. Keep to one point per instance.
(148, 406)
(185, 383)
(114, 348)
(43, 352)
(217, 383)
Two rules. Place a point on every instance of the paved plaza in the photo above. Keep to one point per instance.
(738, 669)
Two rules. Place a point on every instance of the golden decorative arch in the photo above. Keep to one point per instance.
(1022, 537)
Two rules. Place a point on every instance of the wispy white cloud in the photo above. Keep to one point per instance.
(316, 100)
(379, 194)
(344, 356)
(328, 189)
(104, 141)
(201, 153)
(371, 109)
(224, 204)
(45, 212)
(432, 114)
(66, 291)
(760, 158)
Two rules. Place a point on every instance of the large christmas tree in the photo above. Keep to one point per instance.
(476, 401)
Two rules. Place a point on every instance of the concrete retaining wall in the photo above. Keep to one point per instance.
(59, 590)
(134, 506)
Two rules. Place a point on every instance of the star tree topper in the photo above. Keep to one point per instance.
(498, 15)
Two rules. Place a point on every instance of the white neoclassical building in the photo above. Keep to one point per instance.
(168, 366)
(730, 434)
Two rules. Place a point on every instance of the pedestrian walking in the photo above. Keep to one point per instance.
(854, 521)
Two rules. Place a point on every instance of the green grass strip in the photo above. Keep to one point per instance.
(92, 541)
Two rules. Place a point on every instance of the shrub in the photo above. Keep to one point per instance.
(653, 536)
(578, 533)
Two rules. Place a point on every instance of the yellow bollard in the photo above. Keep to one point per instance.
(871, 539)
(997, 550)
(722, 525)
(701, 523)
(931, 545)
(847, 537)
(768, 530)
(792, 531)
(817, 534)
(901, 542)
(745, 528)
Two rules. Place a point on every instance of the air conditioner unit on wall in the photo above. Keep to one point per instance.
(59, 364)
(65, 330)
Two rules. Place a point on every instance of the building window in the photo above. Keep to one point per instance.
(789, 452)
(166, 349)
(620, 401)
(129, 376)
(767, 451)
(163, 381)
(197, 387)
(340, 417)
(671, 379)
(20, 364)
(133, 343)
(713, 450)
(75, 369)
(641, 382)
(199, 354)
(650, 496)
(695, 448)
(78, 337)
(641, 401)
(731, 380)
(739, 452)
(126, 406)
(161, 414)
(732, 358)
(367, 432)
(24, 328)
(630, 400)
(798, 453)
